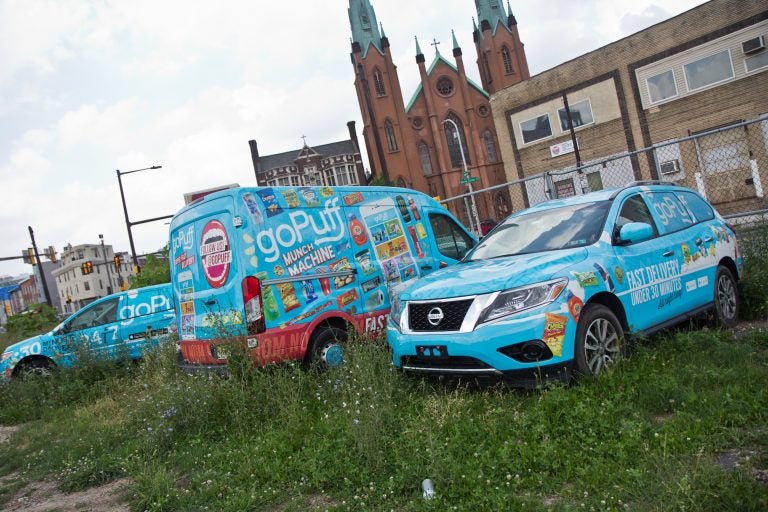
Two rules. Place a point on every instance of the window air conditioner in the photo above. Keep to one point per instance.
(670, 167)
(753, 45)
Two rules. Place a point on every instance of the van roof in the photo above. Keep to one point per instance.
(343, 189)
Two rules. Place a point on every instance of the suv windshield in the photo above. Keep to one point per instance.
(545, 230)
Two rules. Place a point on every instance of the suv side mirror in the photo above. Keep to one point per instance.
(634, 232)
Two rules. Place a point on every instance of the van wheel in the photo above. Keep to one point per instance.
(35, 367)
(726, 297)
(326, 347)
(600, 341)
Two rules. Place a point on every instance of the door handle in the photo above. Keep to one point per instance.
(426, 267)
(209, 302)
(699, 241)
(708, 239)
(667, 254)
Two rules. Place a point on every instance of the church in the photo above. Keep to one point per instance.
(447, 123)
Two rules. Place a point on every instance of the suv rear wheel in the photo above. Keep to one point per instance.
(726, 297)
(326, 347)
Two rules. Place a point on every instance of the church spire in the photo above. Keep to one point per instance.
(365, 28)
(490, 13)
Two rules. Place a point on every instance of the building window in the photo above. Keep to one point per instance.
(445, 86)
(378, 83)
(490, 147)
(389, 132)
(709, 70)
(507, 59)
(456, 143)
(401, 182)
(341, 175)
(426, 164)
(581, 114)
(487, 68)
(661, 86)
(595, 181)
(87, 286)
(295, 181)
(756, 62)
(536, 128)
(101, 286)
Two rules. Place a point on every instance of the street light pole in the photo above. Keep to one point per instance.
(109, 273)
(128, 223)
(474, 217)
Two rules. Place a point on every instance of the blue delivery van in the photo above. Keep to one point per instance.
(121, 325)
(287, 270)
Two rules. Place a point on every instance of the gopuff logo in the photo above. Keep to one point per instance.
(184, 239)
(130, 312)
(435, 316)
(327, 226)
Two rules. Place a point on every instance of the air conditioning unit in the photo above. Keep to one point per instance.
(670, 167)
(754, 45)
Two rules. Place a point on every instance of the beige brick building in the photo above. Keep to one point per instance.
(678, 85)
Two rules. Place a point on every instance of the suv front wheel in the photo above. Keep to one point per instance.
(600, 340)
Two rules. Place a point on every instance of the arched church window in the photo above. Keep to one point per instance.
(426, 164)
(401, 182)
(507, 59)
(389, 132)
(490, 147)
(456, 142)
(378, 83)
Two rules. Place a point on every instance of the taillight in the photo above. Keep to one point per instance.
(254, 309)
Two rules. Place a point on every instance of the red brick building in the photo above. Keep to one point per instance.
(415, 145)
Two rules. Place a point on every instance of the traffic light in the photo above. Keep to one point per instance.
(117, 262)
(50, 253)
(28, 256)
(87, 268)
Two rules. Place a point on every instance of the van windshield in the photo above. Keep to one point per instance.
(544, 230)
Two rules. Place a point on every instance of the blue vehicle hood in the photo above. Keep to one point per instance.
(41, 338)
(486, 276)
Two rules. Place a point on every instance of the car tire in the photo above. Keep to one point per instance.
(326, 347)
(600, 340)
(726, 297)
(33, 368)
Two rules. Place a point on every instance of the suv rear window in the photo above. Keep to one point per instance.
(699, 207)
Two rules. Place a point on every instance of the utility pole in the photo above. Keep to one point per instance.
(106, 262)
(39, 265)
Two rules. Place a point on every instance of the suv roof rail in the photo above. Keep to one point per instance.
(643, 182)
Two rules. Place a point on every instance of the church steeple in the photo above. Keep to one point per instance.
(490, 13)
(365, 28)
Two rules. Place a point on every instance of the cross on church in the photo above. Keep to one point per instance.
(434, 43)
(304, 138)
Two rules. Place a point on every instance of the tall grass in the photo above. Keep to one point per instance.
(363, 437)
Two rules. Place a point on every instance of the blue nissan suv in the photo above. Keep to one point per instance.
(554, 289)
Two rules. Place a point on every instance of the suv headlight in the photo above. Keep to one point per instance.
(515, 300)
(396, 312)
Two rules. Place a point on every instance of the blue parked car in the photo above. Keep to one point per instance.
(554, 289)
(121, 325)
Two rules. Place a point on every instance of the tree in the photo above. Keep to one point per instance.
(38, 318)
(156, 270)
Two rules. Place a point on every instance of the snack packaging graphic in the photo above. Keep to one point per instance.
(414, 208)
(575, 305)
(325, 282)
(619, 273)
(253, 208)
(415, 240)
(308, 291)
(310, 197)
(357, 230)
(586, 279)
(268, 198)
(346, 298)
(340, 266)
(403, 207)
(326, 192)
(288, 295)
(271, 311)
(371, 284)
(374, 300)
(364, 260)
(554, 332)
(605, 275)
(421, 231)
(353, 198)
(291, 199)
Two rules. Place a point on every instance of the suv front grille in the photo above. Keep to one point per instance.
(457, 363)
(437, 316)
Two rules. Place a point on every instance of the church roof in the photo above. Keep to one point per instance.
(288, 158)
(440, 58)
(493, 12)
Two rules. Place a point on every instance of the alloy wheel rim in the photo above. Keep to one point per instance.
(601, 345)
(726, 298)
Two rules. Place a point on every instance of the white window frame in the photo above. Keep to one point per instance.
(668, 98)
(764, 67)
(522, 132)
(591, 113)
(713, 84)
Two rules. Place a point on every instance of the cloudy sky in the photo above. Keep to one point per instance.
(88, 87)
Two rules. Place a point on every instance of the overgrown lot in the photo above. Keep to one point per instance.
(651, 435)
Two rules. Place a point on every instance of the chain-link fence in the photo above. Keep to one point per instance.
(728, 166)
